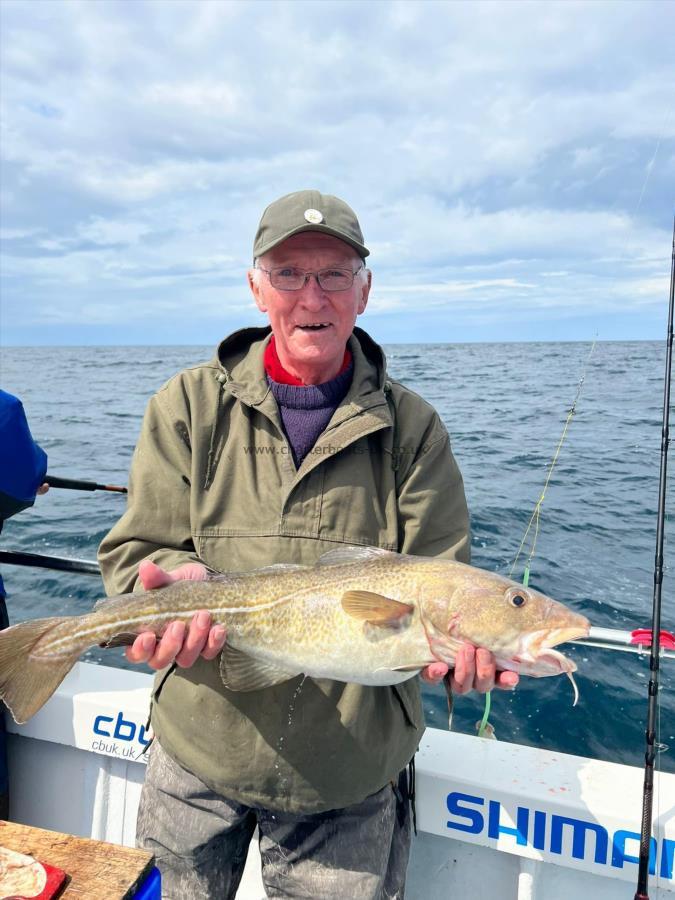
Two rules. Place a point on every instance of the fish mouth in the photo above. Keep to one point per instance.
(554, 662)
(538, 647)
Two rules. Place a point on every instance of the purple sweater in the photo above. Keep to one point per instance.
(307, 409)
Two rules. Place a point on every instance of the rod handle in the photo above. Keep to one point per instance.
(40, 561)
(77, 484)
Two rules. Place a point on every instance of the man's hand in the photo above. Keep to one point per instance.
(475, 670)
(184, 645)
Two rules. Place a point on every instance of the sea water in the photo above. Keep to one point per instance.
(505, 406)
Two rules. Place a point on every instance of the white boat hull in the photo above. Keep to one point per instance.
(495, 819)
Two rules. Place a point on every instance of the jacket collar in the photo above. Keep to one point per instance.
(240, 359)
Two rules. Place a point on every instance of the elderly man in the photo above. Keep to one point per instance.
(291, 441)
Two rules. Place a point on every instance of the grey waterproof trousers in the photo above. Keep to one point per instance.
(200, 840)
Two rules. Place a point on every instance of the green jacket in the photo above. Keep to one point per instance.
(213, 480)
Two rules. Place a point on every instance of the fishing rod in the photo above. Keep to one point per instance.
(637, 641)
(40, 561)
(76, 484)
(653, 689)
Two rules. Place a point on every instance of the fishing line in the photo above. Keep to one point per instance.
(650, 164)
(486, 714)
(534, 518)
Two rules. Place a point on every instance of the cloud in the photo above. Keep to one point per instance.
(141, 141)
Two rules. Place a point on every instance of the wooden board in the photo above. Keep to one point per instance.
(97, 870)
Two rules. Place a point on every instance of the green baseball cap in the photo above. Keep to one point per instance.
(308, 211)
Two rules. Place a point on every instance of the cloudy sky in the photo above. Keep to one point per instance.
(512, 164)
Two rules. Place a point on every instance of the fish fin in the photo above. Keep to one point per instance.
(26, 681)
(101, 602)
(451, 701)
(280, 568)
(350, 553)
(119, 600)
(276, 569)
(226, 577)
(241, 672)
(374, 608)
(412, 667)
(124, 639)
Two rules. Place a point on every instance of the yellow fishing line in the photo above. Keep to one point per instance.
(534, 518)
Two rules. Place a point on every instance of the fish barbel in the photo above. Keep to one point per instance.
(360, 614)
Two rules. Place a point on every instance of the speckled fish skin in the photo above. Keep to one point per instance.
(287, 620)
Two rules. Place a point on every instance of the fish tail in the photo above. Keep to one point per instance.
(26, 681)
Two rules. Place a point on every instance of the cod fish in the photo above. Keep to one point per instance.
(359, 615)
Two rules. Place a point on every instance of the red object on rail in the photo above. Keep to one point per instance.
(643, 636)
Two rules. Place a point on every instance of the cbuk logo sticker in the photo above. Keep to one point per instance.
(545, 831)
(115, 729)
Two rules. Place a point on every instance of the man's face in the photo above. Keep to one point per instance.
(311, 326)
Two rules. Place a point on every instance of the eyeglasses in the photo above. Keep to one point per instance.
(290, 278)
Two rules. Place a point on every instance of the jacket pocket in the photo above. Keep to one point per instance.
(408, 695)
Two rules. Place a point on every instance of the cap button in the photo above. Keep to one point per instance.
(313, 216)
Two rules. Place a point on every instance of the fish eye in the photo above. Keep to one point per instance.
(517, 600)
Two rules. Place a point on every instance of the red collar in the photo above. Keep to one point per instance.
(276, 371)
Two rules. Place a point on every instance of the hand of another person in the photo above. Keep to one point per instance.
(475, 670)
(179, 643)
(42, 489)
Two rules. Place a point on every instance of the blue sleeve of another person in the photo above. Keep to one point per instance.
(23, 464)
